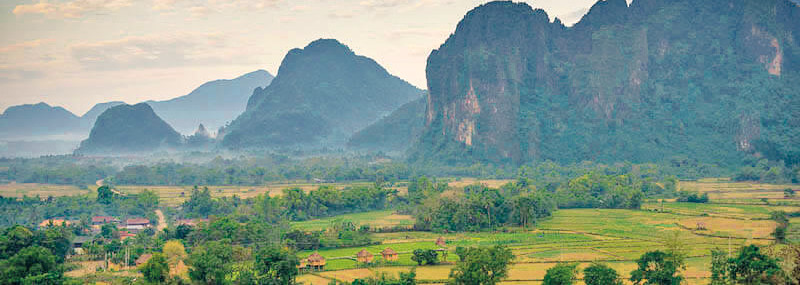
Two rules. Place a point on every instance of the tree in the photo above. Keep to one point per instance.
(104, 195)
(600, 274)
(276, 266)
(156, 269)
(656, 268)
(481, 266)
(425, 256)
(31, 265)
(211, 262)
(753, 267)
(561, 274)
(174, 252)
(676, 248)
(108, 231)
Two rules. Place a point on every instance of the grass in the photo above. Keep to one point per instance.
(42, 190)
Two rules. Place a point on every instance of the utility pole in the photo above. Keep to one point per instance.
(127, 257)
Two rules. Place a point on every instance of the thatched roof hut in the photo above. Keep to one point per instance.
(441, 242)
(364, 256)
(389, 254)
(315, 261)
(143, 259)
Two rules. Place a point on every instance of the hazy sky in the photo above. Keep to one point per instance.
(75, 53)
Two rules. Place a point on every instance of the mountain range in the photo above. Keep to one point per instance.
(212, 104)
(321, 95)
(716, 82)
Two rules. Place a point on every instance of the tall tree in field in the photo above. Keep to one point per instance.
(156, 269)
(600, 274)
(104, 195)
(211, 262)
(174, 252)
(481, 266)
(753, 267)
(276, 266)
(561, 274)
(656, 268)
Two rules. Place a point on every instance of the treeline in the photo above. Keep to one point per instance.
(30, 211)
(63, 170)
(257, 170)
(477, 207)
(766, 171)
(293, 204)
(33, 256)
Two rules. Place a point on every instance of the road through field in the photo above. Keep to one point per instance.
(162, 222)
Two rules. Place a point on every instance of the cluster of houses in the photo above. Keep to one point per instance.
(315, 261)
(128, 228)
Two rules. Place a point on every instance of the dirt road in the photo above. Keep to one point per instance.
(162, 221)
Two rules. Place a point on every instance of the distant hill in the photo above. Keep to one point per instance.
(129, 129)
(395, 132)
(716, 82)
(213, 104)
(39, 120)
(90, 116)
(322, 94)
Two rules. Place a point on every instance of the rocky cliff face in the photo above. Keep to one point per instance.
(642, 82)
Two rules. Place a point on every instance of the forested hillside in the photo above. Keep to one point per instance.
(322, 94)
(129, 128)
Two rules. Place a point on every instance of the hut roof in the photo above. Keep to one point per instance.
(315, 257)
(363, 253)
(143, 258)
(388, 251)
(137, 221)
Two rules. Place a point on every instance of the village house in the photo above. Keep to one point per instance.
(79, 242)
(136, 224)
(389, 254)
(102, 220)
(364, 256)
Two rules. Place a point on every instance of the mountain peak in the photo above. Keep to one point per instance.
(129, 128)
(327, 45)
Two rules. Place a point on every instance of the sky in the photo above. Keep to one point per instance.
(76, 53)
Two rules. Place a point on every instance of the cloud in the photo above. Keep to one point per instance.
(376, 4)
(71, 9)
(341, 14)
(200, 11)
(23, 45)
(159, 51)
(164, 5)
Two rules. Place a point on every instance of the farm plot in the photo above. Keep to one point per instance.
(41, 190)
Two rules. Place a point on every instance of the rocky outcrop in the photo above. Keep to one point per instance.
(639, 83)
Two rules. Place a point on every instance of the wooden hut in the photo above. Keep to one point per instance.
(441, 242)
(315, 262)
(143, 259)
(389, 254)
(701, 226)
(364, 256)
